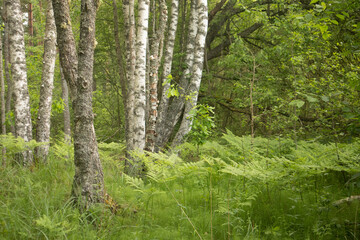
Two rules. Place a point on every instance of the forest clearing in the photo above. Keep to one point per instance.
(180, 119)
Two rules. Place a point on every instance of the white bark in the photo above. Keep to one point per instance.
(138, 134)
(194, 86)
(174, 111)
(129, 20)
(47, 85)
(23, 127)
(155, 58)
(168, 57)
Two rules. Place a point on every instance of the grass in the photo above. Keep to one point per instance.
(229, 190)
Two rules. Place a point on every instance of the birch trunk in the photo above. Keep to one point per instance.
(155, 58)
(88, 185)
(168, 57)
(129, 20)
(66, 113)
(47, 85)
(175, 110)
(23, 127)
(137, 93)
(194, 86)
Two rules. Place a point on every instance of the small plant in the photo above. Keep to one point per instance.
(202, 123)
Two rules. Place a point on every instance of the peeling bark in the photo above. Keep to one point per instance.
(47, 85)
(23, 126)
(155, 58)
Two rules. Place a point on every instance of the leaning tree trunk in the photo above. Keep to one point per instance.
(47, 85)
(23, 127)
(196, 73)
(168, 57)
(174, 111)
(88, 185)
(155, 58)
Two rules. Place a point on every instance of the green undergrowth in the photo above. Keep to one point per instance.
(233, 188)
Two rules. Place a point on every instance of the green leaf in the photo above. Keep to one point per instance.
(314, 1)
(325, 98)
(323, 5)
(298, 103)
(342, 17)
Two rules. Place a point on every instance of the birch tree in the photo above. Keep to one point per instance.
(136, 45)
(196, 73)
(168, 58)
(156, 52)
(88, 184)
(171, 113)
(47, 85)
(23, 126)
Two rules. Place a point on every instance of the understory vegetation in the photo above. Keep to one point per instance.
(231, 188)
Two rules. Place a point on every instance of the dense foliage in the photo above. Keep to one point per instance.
(230, 189)
(274, 152)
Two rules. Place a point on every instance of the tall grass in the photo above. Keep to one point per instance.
(228, 189)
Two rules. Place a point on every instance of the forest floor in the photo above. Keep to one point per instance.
(225, 189)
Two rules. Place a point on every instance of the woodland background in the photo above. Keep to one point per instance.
(273, 152)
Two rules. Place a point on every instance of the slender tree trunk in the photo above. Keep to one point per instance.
(155, 58)
(169, 52)
(121, 67)
(88, 185)
(30, 23)
(175, 110)
(9, 94)
(3, 112)
(194, 86)
(129, 20)
(66, 112)
(47, 85)
(23, 126)
(137, 133)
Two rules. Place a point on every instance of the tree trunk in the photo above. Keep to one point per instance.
(9, 94)
(65, 98)
(23, 127)
(3, 112)
(121, 66)
(155, 58)
(47, 85)
(194, 86)
(136, 76)
(88, 185)
(30, 23)
(169, 51)
(129, 22)
(175, 110)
